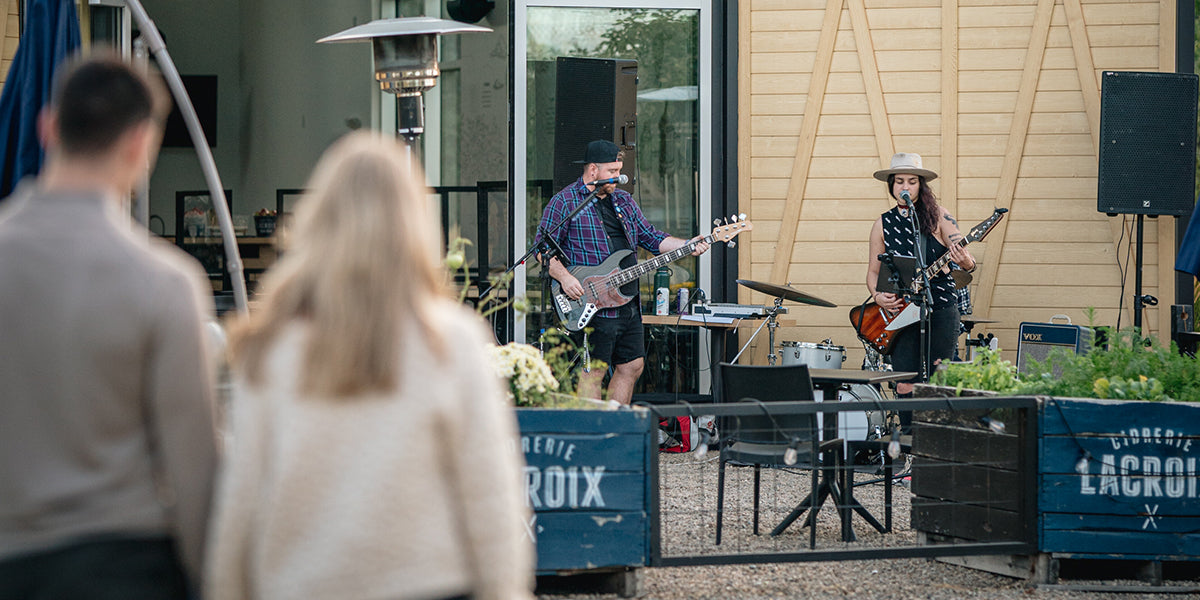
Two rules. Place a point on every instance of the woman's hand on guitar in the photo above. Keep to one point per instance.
(887, 300)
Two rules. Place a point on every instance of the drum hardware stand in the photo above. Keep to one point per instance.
(772, 325)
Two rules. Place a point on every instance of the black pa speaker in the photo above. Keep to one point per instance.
(1147, 143)
(1038, 339)
(595, 99)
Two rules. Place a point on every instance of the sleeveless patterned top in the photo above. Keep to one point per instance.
(898, 238)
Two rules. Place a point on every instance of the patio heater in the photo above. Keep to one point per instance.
(406, 62)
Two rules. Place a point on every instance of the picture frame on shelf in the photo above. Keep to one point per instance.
(285, 200)
(195, 215)
(285, 205)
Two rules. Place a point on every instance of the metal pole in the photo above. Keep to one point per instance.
(141, 192)
(159, 49)
(1137, 278)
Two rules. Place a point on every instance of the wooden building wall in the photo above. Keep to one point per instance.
(10, 20)
(1000, 97)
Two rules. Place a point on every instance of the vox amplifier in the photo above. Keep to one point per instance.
(1038, 339)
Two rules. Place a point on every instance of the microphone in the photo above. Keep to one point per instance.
(906, 198)
(621, 179)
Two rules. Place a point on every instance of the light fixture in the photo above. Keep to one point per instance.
(701, 449)
(893, 447)
(1081, 466)
(406, 61)
(995, 425)
(791, 455)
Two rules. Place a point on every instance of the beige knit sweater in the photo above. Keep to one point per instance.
(415, 494)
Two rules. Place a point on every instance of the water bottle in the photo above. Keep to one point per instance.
(662, 290)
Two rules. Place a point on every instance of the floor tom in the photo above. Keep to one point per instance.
(860, 426)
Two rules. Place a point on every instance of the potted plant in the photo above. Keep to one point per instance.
(264, 222)
(1118, 445)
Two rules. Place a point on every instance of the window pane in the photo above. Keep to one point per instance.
(665, 44)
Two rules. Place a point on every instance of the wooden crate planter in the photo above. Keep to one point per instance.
(1116, 480)
(965, 478)
(589, 479)
(1137, 496)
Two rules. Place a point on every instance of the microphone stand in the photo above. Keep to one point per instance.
(926, 297)
(546, 245)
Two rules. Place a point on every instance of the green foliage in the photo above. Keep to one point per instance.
(561, 353)
(987, 372)
(1132, 367)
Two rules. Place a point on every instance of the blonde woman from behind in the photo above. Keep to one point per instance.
(372, 452)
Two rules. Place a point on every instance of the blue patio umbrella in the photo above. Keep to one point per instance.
(51, 35)
(1188, 259)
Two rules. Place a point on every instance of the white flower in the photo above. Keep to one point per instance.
(527, 372)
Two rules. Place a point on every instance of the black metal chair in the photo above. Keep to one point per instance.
(767, 440)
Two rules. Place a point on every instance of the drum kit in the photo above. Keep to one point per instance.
(823, 355)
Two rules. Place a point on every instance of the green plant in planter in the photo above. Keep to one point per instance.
(1131, 367)
(987, 372)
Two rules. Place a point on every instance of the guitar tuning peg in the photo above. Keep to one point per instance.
(732, 244)
(742, 217)
(716, 222)
(733, 218)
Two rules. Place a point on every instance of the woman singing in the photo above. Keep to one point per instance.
(893, 232)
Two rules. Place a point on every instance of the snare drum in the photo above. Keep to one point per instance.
(817, 356)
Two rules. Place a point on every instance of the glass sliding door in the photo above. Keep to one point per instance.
(670, 42)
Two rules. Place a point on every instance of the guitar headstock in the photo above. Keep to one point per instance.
(729, 229)
(977, 232)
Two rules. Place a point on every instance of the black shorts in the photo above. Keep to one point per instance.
(617, 340)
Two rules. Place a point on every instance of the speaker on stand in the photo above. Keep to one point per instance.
(1147, 152)
(595, 99)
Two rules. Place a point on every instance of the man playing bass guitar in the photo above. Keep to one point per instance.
(893, 233)
(615, 222)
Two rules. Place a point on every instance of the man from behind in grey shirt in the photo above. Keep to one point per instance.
(107, 443)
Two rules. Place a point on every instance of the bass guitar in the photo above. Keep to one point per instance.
(602, 283)
(878, 327)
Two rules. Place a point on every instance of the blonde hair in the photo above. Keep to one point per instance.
(361, 270)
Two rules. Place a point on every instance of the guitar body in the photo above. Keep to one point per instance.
(597, 293)
(871, 321)
(879, 327)
(602, 283)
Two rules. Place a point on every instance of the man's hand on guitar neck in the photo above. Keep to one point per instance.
(671, 243)
(570, 284)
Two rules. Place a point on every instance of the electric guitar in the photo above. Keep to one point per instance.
(878, 327)
(602, 283)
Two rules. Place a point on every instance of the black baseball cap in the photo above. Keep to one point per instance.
(599, 151)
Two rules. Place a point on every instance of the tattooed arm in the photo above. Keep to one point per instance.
(951, 238)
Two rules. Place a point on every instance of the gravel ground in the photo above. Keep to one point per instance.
(688, 512)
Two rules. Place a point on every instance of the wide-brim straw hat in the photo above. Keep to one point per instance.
(908, 163)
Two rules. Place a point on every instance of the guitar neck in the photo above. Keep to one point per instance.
(632, 273)
(937, 265)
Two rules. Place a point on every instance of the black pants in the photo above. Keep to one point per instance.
(101, 569)
(906, 353)
(943, 333)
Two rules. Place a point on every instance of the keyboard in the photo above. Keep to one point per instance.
(735, 311)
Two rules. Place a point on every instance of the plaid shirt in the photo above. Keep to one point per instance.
(584, 240)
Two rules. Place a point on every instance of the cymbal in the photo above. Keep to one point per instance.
(786, 292)
(961, 278)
